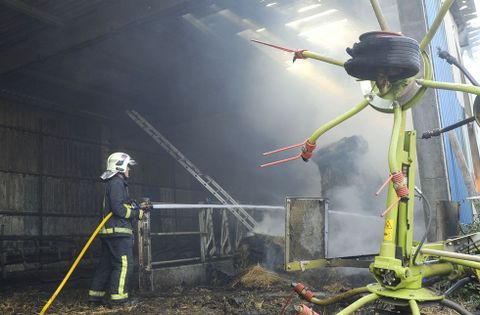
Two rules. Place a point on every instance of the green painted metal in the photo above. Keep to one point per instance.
(428, 75)
(397, 89)
(436, 23)
(414, 307)
(395, 139)
(406, 283)
(466, 263)
(410, 142)
(313, 55)
(393, 268)
(358, 303)
(379, 15)
(340, 297)
(450, 254)
(450, 86)
(440, 269)
(420, 294)
(332, 123)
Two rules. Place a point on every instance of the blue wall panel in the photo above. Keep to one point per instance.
(451, 111)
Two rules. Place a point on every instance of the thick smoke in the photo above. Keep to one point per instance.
(355, 227)
(347, 181)
(272, 223)
(249, 99)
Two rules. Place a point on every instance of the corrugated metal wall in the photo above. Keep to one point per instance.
(451, 111)
(50, 163)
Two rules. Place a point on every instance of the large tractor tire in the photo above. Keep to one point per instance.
(383, 55)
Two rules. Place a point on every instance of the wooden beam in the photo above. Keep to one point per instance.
(33, 12)
(94, 27)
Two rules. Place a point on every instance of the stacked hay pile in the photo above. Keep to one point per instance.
(257, 277)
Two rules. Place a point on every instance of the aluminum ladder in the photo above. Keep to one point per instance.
(208, 182)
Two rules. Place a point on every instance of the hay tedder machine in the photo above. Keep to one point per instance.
(395, 71)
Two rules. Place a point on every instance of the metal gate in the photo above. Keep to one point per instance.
(213, 240)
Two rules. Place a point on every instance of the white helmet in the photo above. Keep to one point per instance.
(117, 163)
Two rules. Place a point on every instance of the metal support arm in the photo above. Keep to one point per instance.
(334, 122)
(450, 86)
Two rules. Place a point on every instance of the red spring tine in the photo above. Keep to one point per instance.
(283, 149)
(274, 46)
(390, 208)
(281, 161)
(384, 184)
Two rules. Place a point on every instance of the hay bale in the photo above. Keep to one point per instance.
(258, 277)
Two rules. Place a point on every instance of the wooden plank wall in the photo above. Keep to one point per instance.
(50, 163)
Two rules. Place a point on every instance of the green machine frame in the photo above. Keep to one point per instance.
(401, 264)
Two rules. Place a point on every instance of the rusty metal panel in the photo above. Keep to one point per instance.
(19, 192)
(71, 196)
(63, 157)
(53, 194)
(74, 127)
(306, 229)
(20, 151)
(167, 194)
(19, 225)
(14, 116)
(69, 226)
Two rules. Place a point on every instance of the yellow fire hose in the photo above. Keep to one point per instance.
(75, 263)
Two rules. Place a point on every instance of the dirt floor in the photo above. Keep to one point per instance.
(254, 294)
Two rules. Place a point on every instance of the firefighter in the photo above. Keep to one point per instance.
(116, 260)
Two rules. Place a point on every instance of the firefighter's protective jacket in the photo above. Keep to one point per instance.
(117, 200)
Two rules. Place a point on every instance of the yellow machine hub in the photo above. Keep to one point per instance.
(420, 295)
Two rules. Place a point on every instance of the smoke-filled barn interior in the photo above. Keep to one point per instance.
(174, 98)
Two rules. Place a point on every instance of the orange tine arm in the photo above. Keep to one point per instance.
(283, 149)
(281, 161)
(383, 186)
(390, 208)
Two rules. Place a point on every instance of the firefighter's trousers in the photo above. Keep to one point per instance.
(114, 269)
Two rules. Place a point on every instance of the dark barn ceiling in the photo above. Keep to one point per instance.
(101, 56)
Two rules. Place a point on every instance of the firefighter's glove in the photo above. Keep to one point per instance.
(135, 205)
(146, 205)
(142, 207)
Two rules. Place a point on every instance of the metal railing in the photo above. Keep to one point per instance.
(214, 237)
